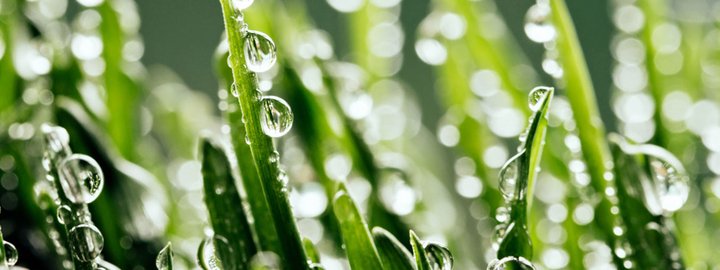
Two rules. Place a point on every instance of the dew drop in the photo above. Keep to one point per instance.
(274, 157)
(56, 138)
(46, 161)
(538, 26)
(671, 186)
(64, 214)
(86, 242)
(260, 52)
(498, 235)
(230, 61)
(81, 178)
(208, 251)
(509, 176)
(242, 4)
(234, 90)
(257, 95)
(276, 117)
(164, 258)
(511, 262)
(283, 178)
(247, 139)
(537, 96)
(11, 253)
(440, 257)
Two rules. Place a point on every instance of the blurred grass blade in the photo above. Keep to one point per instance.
(392, 253)
(225, 207)
(164, 258)
(261, 146)
(361, 251)
(312, 253)
(421, 257)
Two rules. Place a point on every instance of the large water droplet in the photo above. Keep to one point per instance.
(209, 250)
(509, 176)
(671, 186)
(538, 26)
(440, 257)
(537, 96)
(56, 138)
(164, 258)
(242, 4)
(260, 52)
(81, 178)
(276, 118)
(511, 262)
(11, 253)
(86, 242)
(64, 214)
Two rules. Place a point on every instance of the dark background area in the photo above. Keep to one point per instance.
(183, 34)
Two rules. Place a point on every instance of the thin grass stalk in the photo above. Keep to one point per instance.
(262, 147)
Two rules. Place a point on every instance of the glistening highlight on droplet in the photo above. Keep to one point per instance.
(276, 117)
(260, 52)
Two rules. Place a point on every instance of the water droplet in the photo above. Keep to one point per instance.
(440, 257)
(511, 262)
(11, 253)
(247, 139)
(86, 242)
(56, 138)
(671, 186)
(234, 91)
(208, 253)
(538, 26)
(64, 214)
(242, 4)
(498, 235)
(257, 95)
(164, 258)
(274, 157)
(509, 176)
(276, 117)
(537, 96)
(260, 52)
(81, 178)
(46, 161)
(283, 178)
(502, 214)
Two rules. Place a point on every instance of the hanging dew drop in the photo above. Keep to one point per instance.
(509, 176)
(671, 186)
(64, 214)
(536, 97)
(260, 52)
(86, 242)
(81, 178)
(11, 253)
(439, 256)
(241, 4)
(164, 258)
(538, 26)
(276, 118)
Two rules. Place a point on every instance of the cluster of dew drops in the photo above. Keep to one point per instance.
(81, 181)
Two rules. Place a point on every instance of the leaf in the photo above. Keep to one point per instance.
(360, 248)
(312, 254)
(227, 214)
(392, 253)
(421, 257)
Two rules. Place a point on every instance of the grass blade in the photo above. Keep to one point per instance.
(421, 257)
(223, 202)
(360, 248)
(392, 253)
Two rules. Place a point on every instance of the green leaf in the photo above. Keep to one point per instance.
(227, 216)
(165, 258)
(312, 254)
(360, 248)
(421, 257)
(392, 253)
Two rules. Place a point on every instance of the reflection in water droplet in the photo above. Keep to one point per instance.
(64, 214)
(209, 250)
(440, 257)
(538, 26)
(511, 262)
(164, 258)
(536, 97)
(671, 186)
(260, 52)
(56, 138)
(11, 253)
(509, 176)
(86, 242)
(81, 178)
(276, 117)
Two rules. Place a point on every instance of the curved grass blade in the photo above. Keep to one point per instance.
(360, 248)
(392, 253)
(224, 205)
(421, 257)
(518, 175)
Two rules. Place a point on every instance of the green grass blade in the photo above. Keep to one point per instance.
(358, 242)
(8, 25)
(223, 202)
(262, 147)
(312, 253)
(392, 253)
(165, 258)
(421, 257)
